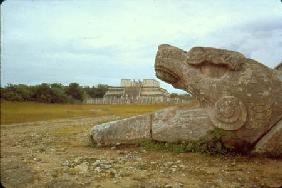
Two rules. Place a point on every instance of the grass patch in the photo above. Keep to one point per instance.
(68, 131)
(21, 112)
(211, 144)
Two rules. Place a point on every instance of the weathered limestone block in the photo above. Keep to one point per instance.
(126, 131)
(179, 125)
(169, 125)
(270, 144)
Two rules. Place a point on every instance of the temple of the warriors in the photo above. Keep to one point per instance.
(147, 91)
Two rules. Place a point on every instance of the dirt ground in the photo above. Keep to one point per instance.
(58, 154)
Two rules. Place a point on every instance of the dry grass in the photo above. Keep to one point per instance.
(20, 112)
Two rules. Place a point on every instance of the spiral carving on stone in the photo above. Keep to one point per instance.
(228, 113)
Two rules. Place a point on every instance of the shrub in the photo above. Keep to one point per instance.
(211, 144)
(51, 93)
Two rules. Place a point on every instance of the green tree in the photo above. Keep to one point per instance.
(75, 91)
(51, 93)
(15, 92)
(58, 93)
(43, 93)
(101, 90)
(96, 92)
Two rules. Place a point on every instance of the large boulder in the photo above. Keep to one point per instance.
(126, 131)
(177, 125)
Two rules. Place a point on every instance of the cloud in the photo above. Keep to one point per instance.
(259, 40)
(93, 42)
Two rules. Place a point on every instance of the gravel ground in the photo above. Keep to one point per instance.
(58, 154)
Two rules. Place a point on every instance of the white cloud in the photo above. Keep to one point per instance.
(120, 38)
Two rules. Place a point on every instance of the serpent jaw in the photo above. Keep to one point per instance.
(166, 75)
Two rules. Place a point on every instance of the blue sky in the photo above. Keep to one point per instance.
(93, 42)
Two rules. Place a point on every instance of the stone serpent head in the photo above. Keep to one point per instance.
(239, 94)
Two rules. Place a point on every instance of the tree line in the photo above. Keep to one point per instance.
(52, 93)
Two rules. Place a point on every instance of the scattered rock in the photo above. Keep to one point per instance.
(98, 169)
(78, 160)
(113, 148)
(66, 163)
(82, 168)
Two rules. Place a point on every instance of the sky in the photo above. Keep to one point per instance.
(95, 41)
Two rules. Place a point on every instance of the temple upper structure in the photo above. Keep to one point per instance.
(137, 90)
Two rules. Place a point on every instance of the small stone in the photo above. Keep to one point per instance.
(77, 160)
(178, 184)
(97, 163)
(83, 167)
(168, 186)
(98, 169)
(168, 163)
(173, 169)
(105, 166)
(182, 166)
(66, 163)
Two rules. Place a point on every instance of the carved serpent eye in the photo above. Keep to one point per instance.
(213, 70)
(228, 113)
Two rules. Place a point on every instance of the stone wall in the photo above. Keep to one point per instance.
(150, 83)
(147, 100)
(139, 83)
